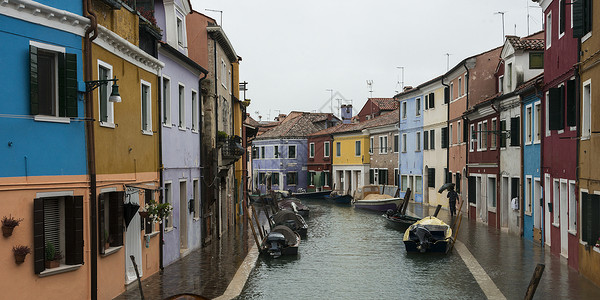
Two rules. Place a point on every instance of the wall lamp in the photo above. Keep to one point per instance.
(114, 95)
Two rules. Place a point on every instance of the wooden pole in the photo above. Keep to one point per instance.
(437, 210)
(455, 233)
(252, 227)
(137, 273)
(257, 223)
(535, 280)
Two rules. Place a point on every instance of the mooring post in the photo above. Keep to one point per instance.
(535, 280)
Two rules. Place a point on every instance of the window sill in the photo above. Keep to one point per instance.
(573, 232)
(586, 37)
(572, 128)
(556, 225)
(182, 128)
(169, 229)
(492, 209)
(52, 119)
(59, 270)
(537, 142)
(153, 234)
(111, 251)
(144, 132)
(196, 219)
(167, 125)
(528, 213)
(108, 125)
(195, 131)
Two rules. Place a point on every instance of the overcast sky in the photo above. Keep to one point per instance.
(293, 52)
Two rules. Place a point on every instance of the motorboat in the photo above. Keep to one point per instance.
(399, 216)
(281, 241)
(295, 205)
(339, 199)
(292, 220)
(312, 195)
(369, 197)
(429, 234)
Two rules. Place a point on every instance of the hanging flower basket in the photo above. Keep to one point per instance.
(8, 225)
(7, 231)
(20, 252)
(143, 214)
(157, 212)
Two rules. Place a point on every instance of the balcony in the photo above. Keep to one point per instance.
(231, 150)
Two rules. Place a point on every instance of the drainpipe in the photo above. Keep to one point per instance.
(216, 126)
(447, 126)
(522, 189)
(91, 154)
(201, 212)
(466, 123)
(577, 118)
(161, 172)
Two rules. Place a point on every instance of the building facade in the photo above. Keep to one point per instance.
(410, 154)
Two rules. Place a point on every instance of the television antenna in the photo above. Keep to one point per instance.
(219, 11)
(370, 85)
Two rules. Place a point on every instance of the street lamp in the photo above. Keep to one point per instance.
(115, 97)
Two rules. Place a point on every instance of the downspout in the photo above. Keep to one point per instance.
(91, 154)
(522, 189)
(215, 160)
(577, 119)
(447, 126)
(161, 170)
(466, 123)
(201, 212)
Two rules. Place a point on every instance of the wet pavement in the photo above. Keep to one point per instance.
(505, 258)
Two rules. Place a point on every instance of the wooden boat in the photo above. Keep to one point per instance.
(369, 197)
(280, 241)
(312, 195)
(294, 205)
(339, 199)
(292, 220)
(429, 234)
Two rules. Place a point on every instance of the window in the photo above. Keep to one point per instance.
(515, 128)
(382, 177)
(509, 68)
(528, 193)
(537, 119)
(58, 221)
(450, 134)
(383, 144)
(196, 187)
(561, 18)
(472, 138)
(262, 179)
(166, 101)
(275, 178)
(586, 116)
(404, 142)
(147, 224)
(181, 107)
(326, 178)
(491, 192)
(418, 141)
(572, 208)
(262, 152)
(460, 87)
(276, 151)
(53, 81)
(590, 226)
(445, 138)
(502, 134)
(292, 151)
(396, 140)
(431, 100)
(403, 109)
(311, 178)
(292, 178)
(426, 102)
(404, 183)
(357, 151)
(458, 132)
(582, 18)
(451, 90)
(501, 83)
(494, 136)
(548, 30)
(457, 182)
(571, 104)
(168, 196)
(479, 136)
(180, 32)
(338, 149)
(536, 60)
(431, 177)
(556, 203)
(146, 108)
(426, 140)
(418, 107)
(254, 153)
(194, 111)
(432, 139)
(311, 153)
(371, 176)
(106, 110)
(396, 177)
(371, 145)
(446, 95)
(110, 219)
(223, 73)
(326, 149)
(418, 185)
(528, 124)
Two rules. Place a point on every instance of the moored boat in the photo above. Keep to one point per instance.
(429, 234)
(312, 195)
(399, 217)
(292, 220)
(378, 204)
(339, 199)
(281, 241)
(294, 205)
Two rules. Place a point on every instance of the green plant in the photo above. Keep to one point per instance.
(157, 212)
(21, 250)
(51, 253)
(222, 135)
(10, 221)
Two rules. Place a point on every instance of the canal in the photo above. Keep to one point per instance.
(354, 254)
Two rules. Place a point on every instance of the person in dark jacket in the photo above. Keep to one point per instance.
(452, 199)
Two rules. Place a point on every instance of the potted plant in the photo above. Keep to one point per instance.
(53, 257)
(221, 137)
(157, 212)
(8, 224)
(20, 252)
(107, 239)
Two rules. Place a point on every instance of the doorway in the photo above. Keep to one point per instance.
(564, 220)
(183, 215)
(546, 191)
(133, 239)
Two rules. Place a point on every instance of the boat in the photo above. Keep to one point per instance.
(378, 204)
(339, 199)
(281, 241)
(429, 234)
(294, 204)
(312, 195)
(292, 220)
(399, 216)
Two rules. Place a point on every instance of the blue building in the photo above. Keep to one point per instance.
(410, 160)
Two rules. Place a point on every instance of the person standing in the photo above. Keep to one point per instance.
(452, 199)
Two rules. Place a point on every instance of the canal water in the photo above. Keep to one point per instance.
(354, 254)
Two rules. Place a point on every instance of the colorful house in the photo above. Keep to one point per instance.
(384, 149)
(588, 163)
(559, 141)
(375, 107)
(351, 158)
(180, 130)
(43, 179)
(410, 157)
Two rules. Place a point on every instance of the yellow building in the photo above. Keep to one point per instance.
(351, 158)
(124, 149)
(589, 145)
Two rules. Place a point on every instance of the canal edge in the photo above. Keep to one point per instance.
(486, 283)
(238, 282)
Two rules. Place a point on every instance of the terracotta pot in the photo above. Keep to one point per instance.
(106, 246)
(143, 214)
(19, 259)
(7, 231)
(52, 264)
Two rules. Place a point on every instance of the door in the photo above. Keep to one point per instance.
(546, 192)
(536, 207)
(564, 219)
(133, 240)
(183, 212)
(506, 199)
(411, 185)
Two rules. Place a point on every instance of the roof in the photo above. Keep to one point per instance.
(382, 120)
(525, 43)
(296, 124)
(251, 122)
(217, 33)
(530, 84)
(385, 103)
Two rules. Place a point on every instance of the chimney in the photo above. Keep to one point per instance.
(346, 113)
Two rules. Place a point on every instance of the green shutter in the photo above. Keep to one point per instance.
(62, 89)
(431, 100)
(503, 134)
(571, 104)
(446, 95)
(515, 133)
(74, 230)
(578, 20)
(555, 110)
(34, 101)
(445, 137)
(426, 140)
(586, 218)
(70, 85)
(38, 236)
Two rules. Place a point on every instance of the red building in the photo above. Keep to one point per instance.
(375, 107)
(559, 138)
(319, 160)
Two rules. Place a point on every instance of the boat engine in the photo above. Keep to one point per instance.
(276, 242)
(424, 237)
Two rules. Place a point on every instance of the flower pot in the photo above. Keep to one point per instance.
(143, 214)
(7, 231)
(19, 258)
(106, 246)
(52, 264)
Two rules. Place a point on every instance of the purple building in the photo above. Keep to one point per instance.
(280, 155)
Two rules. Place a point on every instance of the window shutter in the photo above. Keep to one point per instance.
(571, 104)
(432, 139)
(431, 177)
(471, 189)
(594, 221)
(149, 226)
(33, 81)
(101, 199)
(70, 108)
(515, 136)
(426, 140)
(578, 19)
(586, 218)
(74, 230)
(38, 236)
(116, 218)
(431, 100)
(465, 135)
(446, 95)
(62, 87)
(445, 137)
(555, 109)
(503, 134)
